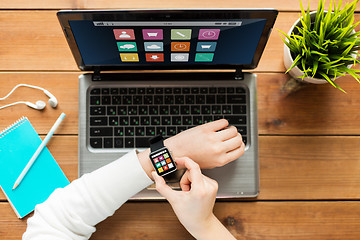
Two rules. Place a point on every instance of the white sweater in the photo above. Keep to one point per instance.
(72, 212)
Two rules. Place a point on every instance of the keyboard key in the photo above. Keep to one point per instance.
(166, 120)
(94, 100)
(123, 121)
(186, 90)
(168, 90)
(171, 131)
(98, 121)
(150, 131)
(242, 130)
(187, 120)
(236, 99)
(95, 91)
(190, 99)
(150, 90)
(240, 90)
(179, 99)
(114, 91)
(216, 109)
(141, 91)
(105, 91)
(236, 120)
(145, 120)
(169, 99)
(203, 90)
(101, 131)
(185, 110)
(230, 90)
(113, 121)
(129, 142)
(210, 99)
(153, 110)
(122, 110)
(139, 131)
(212, 90)
(108, 142)
(181, 129)
(239, 109)
(129, 131)
(197, 120)
(155, 120)
(158, 99)
(208, 118)
(161, 131)
(164, 110)
(148, 99)
(132, 110)
(105, 100)
(220, 99)
(143, 110)
(134, 121)
(132, 90)
(205, 109)
(111, 110)
(176, 120)
(226, 109)
(127, 100)
(244, 138)
(221, 90)
(217, 117)
(174, 110)
(96, 142)
(200, 99)
(195, 90)
(119, 131)
(123, 91)
(195, 109)
(142, 142)
(177, 90)
(137, 99)
(116, 100)
(159, 90)
(118, 142)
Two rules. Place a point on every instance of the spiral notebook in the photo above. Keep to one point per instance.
(18, 143)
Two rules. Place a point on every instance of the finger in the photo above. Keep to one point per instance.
(162, 188)
(185, 182)
(214, 184)
(180, 163)
(235, 154)
(195, 175)
(227, 133)
(233, 143)
(216, 125)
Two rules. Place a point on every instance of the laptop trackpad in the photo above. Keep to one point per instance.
(172, 180)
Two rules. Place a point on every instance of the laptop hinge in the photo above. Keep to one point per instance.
(239, 75)
(96, 75)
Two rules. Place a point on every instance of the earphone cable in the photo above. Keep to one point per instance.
(21, 85)
(11, 104)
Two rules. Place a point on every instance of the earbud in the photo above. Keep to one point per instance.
(39, 105)
(52, 101)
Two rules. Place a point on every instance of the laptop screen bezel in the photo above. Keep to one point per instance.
(65, 16)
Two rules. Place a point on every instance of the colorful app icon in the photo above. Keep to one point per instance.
(171, 165)
(154, 57)
(165, 168)
(206, 46)
(168, 160)
(209, 34)
(158, 165)
(127, 46)
(161, 158)
(129, 57)
(179, 57)
(180, 34)
(160, 170)
(163, 163)
(166, 155)
(152, 34)
(204, 57)
(180, 46)
(154, 46)
(124, 34)
(156, 160)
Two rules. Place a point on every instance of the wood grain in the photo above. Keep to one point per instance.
(245, 220)
(33, 40)
(315, 109)
(283, 5)
(291, 167)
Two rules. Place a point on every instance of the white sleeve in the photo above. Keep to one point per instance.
(72, 212)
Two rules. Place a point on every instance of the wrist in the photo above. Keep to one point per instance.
(145, 162)
(212, 228)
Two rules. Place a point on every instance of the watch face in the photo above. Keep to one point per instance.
(162, 161)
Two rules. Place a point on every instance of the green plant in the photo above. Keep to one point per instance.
(324, 46)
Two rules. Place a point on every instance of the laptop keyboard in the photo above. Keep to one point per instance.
(128, 117)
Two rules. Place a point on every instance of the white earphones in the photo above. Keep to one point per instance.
(39, 105)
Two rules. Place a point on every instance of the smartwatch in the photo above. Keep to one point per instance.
(160, 156)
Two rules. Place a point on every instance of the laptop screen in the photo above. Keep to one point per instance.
(168, 44)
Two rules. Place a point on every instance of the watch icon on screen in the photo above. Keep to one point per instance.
(209, 34)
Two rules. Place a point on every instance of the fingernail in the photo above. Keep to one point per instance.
(154, 174)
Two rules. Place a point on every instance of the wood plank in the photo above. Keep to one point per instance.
(245, 220)
(291, 167)
(282, 5)
(316, 109)
(33, 40)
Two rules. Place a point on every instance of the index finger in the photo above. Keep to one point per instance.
(217, 125)
(195, 176)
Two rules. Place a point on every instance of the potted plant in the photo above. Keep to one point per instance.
(322, 45)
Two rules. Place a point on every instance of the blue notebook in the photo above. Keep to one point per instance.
(18, 143)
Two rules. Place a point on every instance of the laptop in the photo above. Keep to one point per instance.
(122, 102)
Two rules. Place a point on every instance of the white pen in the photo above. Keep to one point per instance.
(38, 151)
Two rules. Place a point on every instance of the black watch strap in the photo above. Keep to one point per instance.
(156, 143)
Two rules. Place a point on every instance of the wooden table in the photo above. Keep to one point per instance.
(309, 140)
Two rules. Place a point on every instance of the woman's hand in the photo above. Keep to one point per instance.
(210, 145)
(194, 204)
